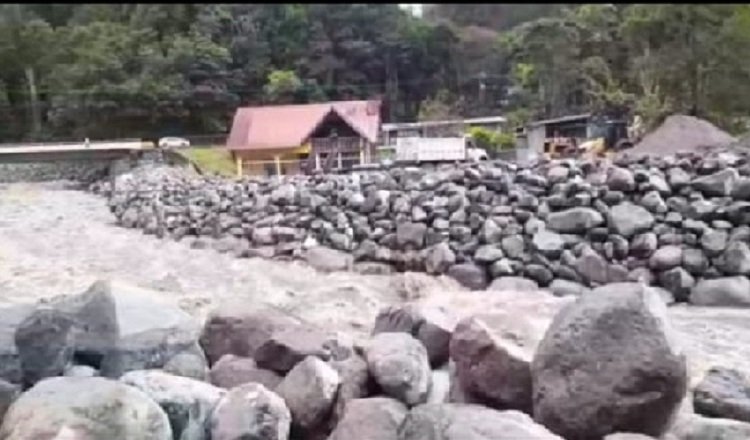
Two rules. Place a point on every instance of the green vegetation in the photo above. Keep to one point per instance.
(153, 70)
(492, 140)
(216, 160)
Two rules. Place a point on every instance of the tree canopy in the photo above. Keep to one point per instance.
(147, 70)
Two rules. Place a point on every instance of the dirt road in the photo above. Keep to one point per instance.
(55, 241)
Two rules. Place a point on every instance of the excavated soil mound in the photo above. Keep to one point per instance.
(681, 133)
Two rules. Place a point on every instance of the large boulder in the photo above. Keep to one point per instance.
(190, 364)
(604, 337)
(91, 408)
(492, 353)
(719, 184)
(627, 219)
(45, 343)
(376, 418)
(469, 275)
(286, 347)
(722, 292)
(399, 365)
(695, 427)
(119, 328)
(455, 421)
(251, 412)
(574, 220)
(439, 258)
(736, 259)
(432, 326)
(355, 383)
(309, 391)
(723, 393)
(240, 328)
(231, 371)
(10, 361)
(188, 403)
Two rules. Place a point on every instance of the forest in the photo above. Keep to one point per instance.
(69, 71)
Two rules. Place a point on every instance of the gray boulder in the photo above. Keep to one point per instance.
(251, 412)
(399, 365)
(714, 242)
(492, 354)
(355, 383)
(10, 361)
(188, 403)
(309, 391)
(620, 179)
(694, 427)
(439, 258)
(188, 364)
(548, 243)
(286, 347)
(592, 267)
(376, 418)
(719, 184)
(455, 421)
(678, 282)
(643, 245)
(232, 371)
(604, 336)
(736, 259)
(560, 287)
(722, 292)
(122, 328)
(411, 235)
(84, 408)
(513, 246)
(488, 253)
(723, 393)
(666, 258)
(45, 343)
(469, 275)
(239, 328)
(574, 220)
(627, 219)
(432, 326)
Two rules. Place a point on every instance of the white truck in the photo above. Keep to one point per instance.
(447, 149)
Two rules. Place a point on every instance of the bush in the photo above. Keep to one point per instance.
(492, 140)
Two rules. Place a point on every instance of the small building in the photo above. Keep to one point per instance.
(447, 128)
(574, 126)
(287, 139)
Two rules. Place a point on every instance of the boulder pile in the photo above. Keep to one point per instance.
(112, 364)
(678, 222)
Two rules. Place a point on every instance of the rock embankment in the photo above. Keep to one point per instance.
(112, 364)
(678, 222)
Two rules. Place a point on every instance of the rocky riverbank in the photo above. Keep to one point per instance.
(677, 222)
(264, 318)
(115, 362)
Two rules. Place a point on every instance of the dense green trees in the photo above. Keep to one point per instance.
(147, 70)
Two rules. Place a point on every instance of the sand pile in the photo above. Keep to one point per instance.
(681, 133)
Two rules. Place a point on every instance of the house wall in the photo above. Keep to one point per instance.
(261, 162)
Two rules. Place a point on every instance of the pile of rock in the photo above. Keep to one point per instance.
(112, 364)
(679, 222)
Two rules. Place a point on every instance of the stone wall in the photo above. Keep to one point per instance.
(676, 222)
(85, 170)
(77, 170)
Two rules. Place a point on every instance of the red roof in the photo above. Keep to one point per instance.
(289, 126)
